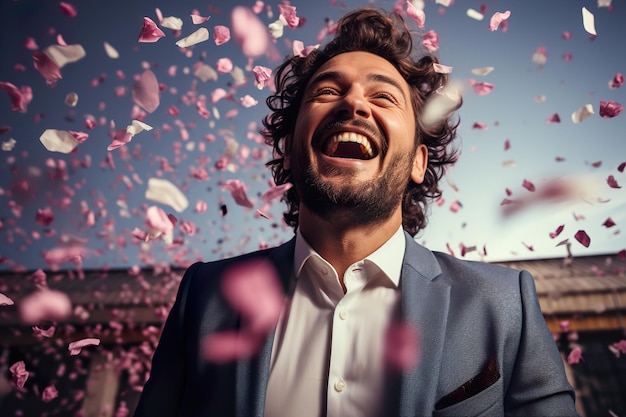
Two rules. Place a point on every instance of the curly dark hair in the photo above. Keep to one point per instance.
(388, 36)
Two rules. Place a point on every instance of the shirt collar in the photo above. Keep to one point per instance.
(388, 257)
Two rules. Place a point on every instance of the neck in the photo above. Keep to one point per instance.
(343, 245)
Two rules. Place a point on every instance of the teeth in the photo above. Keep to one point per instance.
(350, 137)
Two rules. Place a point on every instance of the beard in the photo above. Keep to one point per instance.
(351, 203)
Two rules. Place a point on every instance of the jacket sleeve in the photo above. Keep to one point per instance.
(163, 391)
(538, 385)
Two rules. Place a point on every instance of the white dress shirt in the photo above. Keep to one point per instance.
(327, 352)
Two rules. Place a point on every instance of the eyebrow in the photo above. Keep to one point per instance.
(333, 75)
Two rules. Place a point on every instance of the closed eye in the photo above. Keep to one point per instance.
(386, 96)
(324, 91)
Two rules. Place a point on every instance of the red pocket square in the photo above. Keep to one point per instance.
(487, 377)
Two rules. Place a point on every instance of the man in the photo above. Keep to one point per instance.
(347, 131)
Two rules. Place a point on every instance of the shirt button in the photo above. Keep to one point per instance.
(324, 270)
(343, 314)
(340, 385)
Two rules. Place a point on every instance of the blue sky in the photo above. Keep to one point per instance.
(588, 152)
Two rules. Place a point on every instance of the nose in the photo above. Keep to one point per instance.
(353, 104)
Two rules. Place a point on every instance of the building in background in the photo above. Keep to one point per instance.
(583, 300)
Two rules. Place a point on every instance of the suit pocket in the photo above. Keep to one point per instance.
(488, 402)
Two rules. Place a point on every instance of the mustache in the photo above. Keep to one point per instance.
(368, 128)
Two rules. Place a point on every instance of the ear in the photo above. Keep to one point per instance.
(420, 164)
(287, 152)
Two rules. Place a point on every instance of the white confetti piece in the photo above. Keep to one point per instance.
(163, 191)
(71, 99)
(205, 73)
(111, 51)
(442, 69)
(136, 126)
(582, 113)
(475, 14)
(441, 104)
(444, 3)
(589, 21)
(482, 71)
(58, 141)
(65, 54)
(198, 36)
(172, 22)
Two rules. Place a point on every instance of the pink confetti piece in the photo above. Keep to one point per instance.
(528, 185)
(5, 300)
(49, 393)
(567, 35)
(583, 238)
(262, 75)
(150, 32)
(621, 167)
(612, 182)
(554, 118)
(68, 9)
(146, 91)
(480, 126)
(221, 35)
(198, 20)
(45, 304)
(157, 221)
(608, 223)
(248, 101)
(19, 374)
(482, 88)
(610, 109)
(300, 50)
(76, 347)
(557, 231)
(44, 216)
(417, 15)
(163, 191)
(620, 347)
(574, 356)
(498, 18)
(289, 13)
(253, 290)
(18, 101)
(200, 35)
(39, 332)
(564, 325)
(275, 192)
(589, 21)
(402, 347)
(224, 65)
(430, 40)
(237, 190)
(617, 81)
(249, 32)
(48, 69)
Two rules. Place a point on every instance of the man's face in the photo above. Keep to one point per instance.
(353, 149)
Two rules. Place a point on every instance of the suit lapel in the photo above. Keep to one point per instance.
(253, 374)
(425, 302)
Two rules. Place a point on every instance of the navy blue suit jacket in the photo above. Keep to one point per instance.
(485, 347)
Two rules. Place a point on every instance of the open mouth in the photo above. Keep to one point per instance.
(349, 145)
